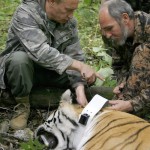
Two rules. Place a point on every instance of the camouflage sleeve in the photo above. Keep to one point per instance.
(74, 50)
(36, 43)
(137, 89)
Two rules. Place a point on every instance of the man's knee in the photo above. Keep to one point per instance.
(18, 58)
(19, 73)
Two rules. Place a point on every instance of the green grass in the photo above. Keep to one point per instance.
(7, 8)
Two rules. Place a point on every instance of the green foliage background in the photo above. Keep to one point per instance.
(7, 7)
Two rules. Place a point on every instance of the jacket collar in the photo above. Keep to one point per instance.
(42, 4)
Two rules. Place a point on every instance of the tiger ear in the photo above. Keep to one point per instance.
(66, 96)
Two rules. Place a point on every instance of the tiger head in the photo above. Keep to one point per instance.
(59, 127)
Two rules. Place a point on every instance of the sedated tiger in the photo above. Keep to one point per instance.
(108, 130)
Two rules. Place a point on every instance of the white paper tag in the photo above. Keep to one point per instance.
(94, 106)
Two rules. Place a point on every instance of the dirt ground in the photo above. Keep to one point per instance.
(10, 139)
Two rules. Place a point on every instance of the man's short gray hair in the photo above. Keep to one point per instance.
(117, 7)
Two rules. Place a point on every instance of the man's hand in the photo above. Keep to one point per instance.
(80, 96)
(117, 90)
(90, 74)
(121, 105)
(86, 71)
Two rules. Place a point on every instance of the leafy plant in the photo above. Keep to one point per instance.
(32, 145)
(91, 40)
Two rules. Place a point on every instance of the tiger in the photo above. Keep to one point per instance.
(108, 130)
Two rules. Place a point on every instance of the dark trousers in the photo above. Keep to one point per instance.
(22, 74)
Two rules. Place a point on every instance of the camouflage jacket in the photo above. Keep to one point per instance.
(131, 64)
(49, 44)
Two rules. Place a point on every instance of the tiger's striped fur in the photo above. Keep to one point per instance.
(109, 130)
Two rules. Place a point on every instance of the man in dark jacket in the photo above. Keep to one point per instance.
(128, 33)
(43, 49)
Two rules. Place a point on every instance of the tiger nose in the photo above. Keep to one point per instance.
(47, 138)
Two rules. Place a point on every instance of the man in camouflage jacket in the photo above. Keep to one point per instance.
(128, 35)
(43, 49)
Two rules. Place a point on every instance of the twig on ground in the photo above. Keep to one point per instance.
(3, 134)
